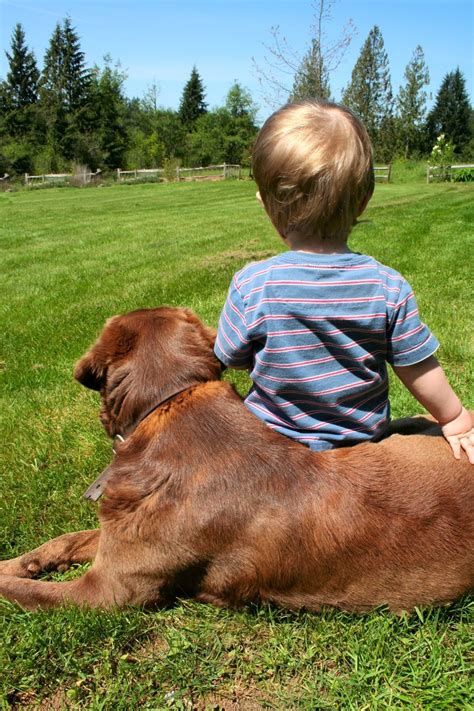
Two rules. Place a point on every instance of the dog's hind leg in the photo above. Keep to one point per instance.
(57, 554)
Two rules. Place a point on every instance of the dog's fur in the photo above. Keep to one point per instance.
(204, 500)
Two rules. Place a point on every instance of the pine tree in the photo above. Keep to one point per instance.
(312, 78)
(369, 93)
(108, 105)
(76, 76)
(52, 77)
(65, 78)
(239, 102)
(192, 103)
(411, 103)
(309, 69)
(451, 113)
(23, 74)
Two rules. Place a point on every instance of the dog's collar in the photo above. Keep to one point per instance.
(96, 489)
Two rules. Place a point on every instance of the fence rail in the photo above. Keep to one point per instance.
(208, 172)
(82, 177)
(383, 172)
(442, 172)
(136, 174)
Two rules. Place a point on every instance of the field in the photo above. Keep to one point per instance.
(70, 259)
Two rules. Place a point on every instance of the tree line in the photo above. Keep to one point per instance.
(399, 125)
(69, 113)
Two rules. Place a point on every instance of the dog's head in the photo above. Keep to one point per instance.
(143, 357)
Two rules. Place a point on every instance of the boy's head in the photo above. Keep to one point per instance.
(312, 162)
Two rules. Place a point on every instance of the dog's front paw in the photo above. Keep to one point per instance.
(20, 568)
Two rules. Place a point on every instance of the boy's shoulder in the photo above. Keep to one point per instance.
(259, 269)
(354, 261)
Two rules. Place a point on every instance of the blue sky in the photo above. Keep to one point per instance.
(163, 39)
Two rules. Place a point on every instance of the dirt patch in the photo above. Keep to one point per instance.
(58, 701)
(215, 702)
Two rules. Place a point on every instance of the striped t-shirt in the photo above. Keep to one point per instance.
(316, 332)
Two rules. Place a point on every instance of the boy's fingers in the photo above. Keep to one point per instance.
(468, 445)
(455, 446)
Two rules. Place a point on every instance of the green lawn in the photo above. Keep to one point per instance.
(70, 259)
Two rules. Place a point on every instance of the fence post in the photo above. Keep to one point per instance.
(26, 178)
(177, 173)
(240, 172)
(44, 178)
(118, 175)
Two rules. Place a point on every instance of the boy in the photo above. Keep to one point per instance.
(317, 324)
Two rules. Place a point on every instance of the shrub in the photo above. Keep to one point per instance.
(442, 156)
(464, 175)
(169, 168)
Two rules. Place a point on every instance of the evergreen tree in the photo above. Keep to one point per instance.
(52, 97)
(65, 88)
(53, 76)
(451, 113)
(76, 76)
(411, 103)
(22, 77)
(108, 106)
(192, 103)
(312, 78)
(369, 93)
(239, 102)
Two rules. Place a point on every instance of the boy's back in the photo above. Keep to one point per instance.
(318, 324)
(322, 327)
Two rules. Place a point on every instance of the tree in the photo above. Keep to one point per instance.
(192, 103)
(75, 75)
(289, 75)
(150, 98)
(108, 106)
(20, 89)
(239, 102)
(52, 77)
(369, 93)
(411, 103)
(22, 77)
(312, 77)
(451, 112)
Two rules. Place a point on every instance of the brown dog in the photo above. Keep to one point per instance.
(204, 500)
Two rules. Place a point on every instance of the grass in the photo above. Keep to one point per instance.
(71, 258)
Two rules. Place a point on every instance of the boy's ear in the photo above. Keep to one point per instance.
(364, 202)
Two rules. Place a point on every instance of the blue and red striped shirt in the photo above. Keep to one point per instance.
(316, 332)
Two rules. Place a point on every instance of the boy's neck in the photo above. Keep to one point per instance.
(298, 243)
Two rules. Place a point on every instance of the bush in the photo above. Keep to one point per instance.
(170, 166)
(465, 175)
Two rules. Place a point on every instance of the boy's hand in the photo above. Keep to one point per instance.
(460, 435)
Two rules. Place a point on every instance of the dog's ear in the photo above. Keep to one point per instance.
(115, 343)
(89, 371)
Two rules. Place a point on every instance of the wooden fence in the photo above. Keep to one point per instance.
(81, 178)
(139, 173)
(208, 172)
(5, 182)
(383, 172)
(440, 172)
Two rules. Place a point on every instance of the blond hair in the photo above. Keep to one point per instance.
(313, 165)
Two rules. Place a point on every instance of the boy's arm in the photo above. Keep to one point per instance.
(233, 345)
(428, 384)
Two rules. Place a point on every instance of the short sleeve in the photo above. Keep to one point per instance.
(233, 346)
(409, 340)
